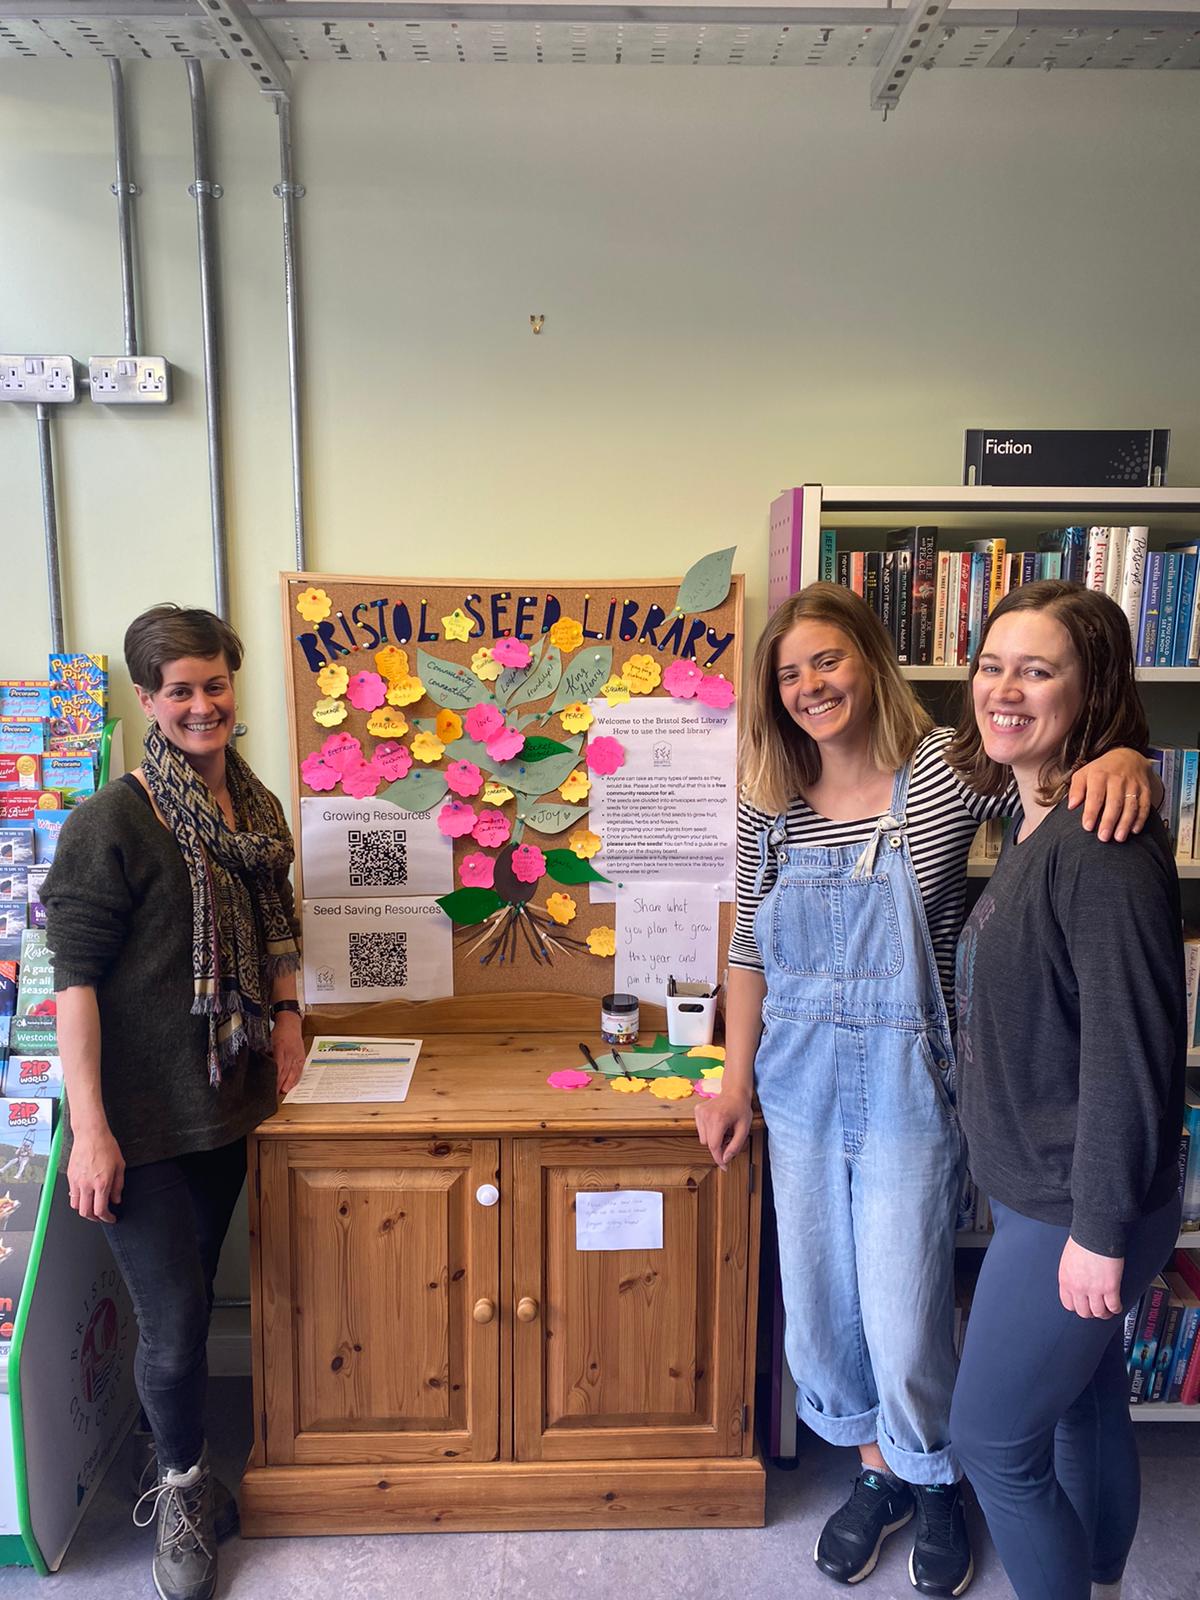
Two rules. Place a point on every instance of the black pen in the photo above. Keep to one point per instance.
(589, 1057)
(616, 1057)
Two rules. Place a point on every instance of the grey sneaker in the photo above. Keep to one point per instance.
(226, 1518)
(185, 1554)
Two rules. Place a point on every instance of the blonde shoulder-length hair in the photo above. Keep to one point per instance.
(779, 760)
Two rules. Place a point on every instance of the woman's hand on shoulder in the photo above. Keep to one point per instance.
(1088, 1284)
(95, 1173)
(723, 1124)
(1119, 790)
(287, 1047)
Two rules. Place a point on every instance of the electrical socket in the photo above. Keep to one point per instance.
(29, 380)
(129, 380)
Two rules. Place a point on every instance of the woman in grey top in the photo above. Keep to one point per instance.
(171, 923)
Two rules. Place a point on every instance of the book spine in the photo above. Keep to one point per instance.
(1190, 1390)
(1168, 606)
(1191, 982)
(975, 602)
(941, 597)
(902, 599)
(843, 568)
(1185, 610)
(999, 558)
(887, 579)
(1187, 1265)
(1097, 559)
(1029, 567)
(1117, 540)
(1188, 1325)
(1133, 576)
(1189, 783)
(1165, 1356)
(1145, 1345)
(1132, 1317)
(856, 572)
(1193, 642)
(924, 596)
(962, 653)
(1151, 599)
(1074, 554)
(827, 560)
(872, 568)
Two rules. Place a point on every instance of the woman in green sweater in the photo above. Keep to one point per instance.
(171, 922)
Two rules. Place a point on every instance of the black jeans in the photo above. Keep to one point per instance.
(171, 1224)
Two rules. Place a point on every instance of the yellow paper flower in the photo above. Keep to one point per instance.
(628, 1085)
(482, 665)
(602, 941)
(615, 691)
(387, 724)
(427, 747)
(405, 691)
(561, 908)
(641, 674)
(449, 726)
(714, 1074)
(495, 794)
(577, 786)
(391, 663)
(584, 843)
(577, 717)
(314, 605)
(457, 625)
(332, 680)
(671, 1088)
(567, 634)
(330, 712)
(708, 1052)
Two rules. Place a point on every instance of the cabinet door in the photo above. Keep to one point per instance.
(629, 1353)
(380, 1300)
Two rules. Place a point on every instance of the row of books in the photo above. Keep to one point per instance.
(935, 602)
(1191, 976)
(1162, 1347)
(1179, 770)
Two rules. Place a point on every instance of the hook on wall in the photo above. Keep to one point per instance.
(537, 321)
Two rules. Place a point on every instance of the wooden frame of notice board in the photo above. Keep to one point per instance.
(439, 632)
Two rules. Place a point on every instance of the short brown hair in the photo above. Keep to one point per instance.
(778, 759)
(169, 632)
(1111, 718)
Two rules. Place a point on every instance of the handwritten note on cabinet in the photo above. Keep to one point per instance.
(620, 1219)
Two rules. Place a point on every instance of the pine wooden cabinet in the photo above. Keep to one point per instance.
(426, 1360)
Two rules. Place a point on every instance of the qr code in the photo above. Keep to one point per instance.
(379, 960)
(379, 859)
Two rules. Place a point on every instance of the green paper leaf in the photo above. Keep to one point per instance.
(536, 778)
(449, 684)
(564, 866)
(467, 907)
(590, 668)
(706, 583)
(640, 1064)
(537, 747)
(420, 791)
(550, 817)
(518, 686)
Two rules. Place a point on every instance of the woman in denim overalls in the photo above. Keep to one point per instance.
(845, 1035)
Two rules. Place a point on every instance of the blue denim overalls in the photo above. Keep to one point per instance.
(855, 1078)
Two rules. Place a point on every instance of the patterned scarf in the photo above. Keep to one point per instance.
(241, 937)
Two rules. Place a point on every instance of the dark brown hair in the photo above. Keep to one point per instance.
(169, 632)
(1111, 716)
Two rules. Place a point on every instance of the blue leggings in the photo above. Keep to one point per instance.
(1040, 1419)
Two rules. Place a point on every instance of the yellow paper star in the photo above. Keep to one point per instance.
(575, 787)
(330, 712)
(391, 663)
(332, 680)
(495, 794)
(405, 691)
(314, 605)
(482, 665)
(615, 691)
(628, 1085)
(602, 941)
(561, 908)
(671, 1088)
(449, 726)
(427, 747)
(711, 1052)
(577, 717)
(584, 843)
(457, 625)
(387, 724)
(713, 1074)
(641, 674)
(567, 634)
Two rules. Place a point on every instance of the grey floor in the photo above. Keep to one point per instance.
(110, 1558)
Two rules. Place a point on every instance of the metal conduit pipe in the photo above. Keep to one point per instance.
(50, 522)
(289, 192)
(205, 192)
(124, 189)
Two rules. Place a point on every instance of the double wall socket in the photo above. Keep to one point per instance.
(33, 380)
(130, 380)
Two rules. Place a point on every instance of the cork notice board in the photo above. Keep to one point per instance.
(426, 644)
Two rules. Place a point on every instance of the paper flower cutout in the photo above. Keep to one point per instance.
(482, 665)
(387, 724)
(317, 775)
(330, 712)
(341, 750)
(615, 691)
(708, 1052)
(566, 634)
(464, 778)
(671, 1088)
(448, 726)
(391, 663)
(569, 1078)
(628, 1085)
(641, 674)
(366, 691)
(561, 908)
(405, 691)
(362, 780)
(495, 794)
(605, 755)
(505, 744)
(511, 653)
(428, 747)
(714, 1074)
(393, 760)
(681, 679)
(602, 941)
(482, 721)
(584, 843)
(707, 1088)
(715, 691)
(332, 680)
(528, 863)
(455, 819)
(314, 605)
(576, 786)
(457, 625)
(577, 717)
(477, 871)
(491, 829)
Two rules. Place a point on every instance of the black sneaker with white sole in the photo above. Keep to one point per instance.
(941, 1561)
(849, 1544)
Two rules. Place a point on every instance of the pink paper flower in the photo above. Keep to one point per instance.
(317, 775)
(477, 871)
(491, 829)
(503, 746)
(715, 691)
(341, 750)
(366, 691)
(681, 679)
(528, 863)
(707, 1088)
(482, 721)
(456, 819)
(569, 1078)
(464, 778)
(605, 755)
(511, 653)
(361, 780)
(394, 761)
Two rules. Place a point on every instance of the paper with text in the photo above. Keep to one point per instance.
(665, 931)
(369, 848)
(620, 1219)
(376, 950)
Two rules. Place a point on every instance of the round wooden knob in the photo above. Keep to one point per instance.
(527, 1309)
(484, 1310)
